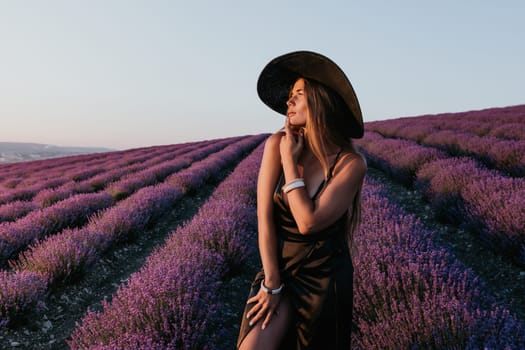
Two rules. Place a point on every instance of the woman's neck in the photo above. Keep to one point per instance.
(332, 149)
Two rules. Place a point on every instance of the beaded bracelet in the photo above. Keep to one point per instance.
(272, 291)
(292, 185)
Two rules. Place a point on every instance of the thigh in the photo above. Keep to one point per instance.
(272, 335)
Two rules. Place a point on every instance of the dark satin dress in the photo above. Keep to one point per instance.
(317, 272)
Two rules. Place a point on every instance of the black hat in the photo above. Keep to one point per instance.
(276, 79)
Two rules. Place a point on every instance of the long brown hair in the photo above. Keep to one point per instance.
(326, 127)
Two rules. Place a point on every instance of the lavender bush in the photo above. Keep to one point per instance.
(14, 210)
(25, 193)
(495, 209)
(399, 158)
(506, 155)
(18, 291)
(71, 212)
(50, 196)
(441, 182)
(62, 257)
(511, 131)
(491, 205)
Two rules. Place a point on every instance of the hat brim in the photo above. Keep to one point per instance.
(278, 76)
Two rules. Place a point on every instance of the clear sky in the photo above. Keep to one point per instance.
(125, 74)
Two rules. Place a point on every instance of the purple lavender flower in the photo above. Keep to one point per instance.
(18, 292)
(14, 210)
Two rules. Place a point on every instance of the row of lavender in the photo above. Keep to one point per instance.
(411, 294)
(11, 175)
(503, 122)
(87, 177)
(460, 190)
(66, 255)
(171, 303)
(461, 135)
(76, 209)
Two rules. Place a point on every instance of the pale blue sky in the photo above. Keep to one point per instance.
(127, 74)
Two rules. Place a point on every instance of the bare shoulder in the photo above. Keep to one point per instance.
(352, 162)
(272, 142)
(271, 163)
(275, 138)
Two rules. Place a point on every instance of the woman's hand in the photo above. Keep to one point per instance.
(265, 307)
(291, 144)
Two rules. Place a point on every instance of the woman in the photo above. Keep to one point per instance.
(308, 205)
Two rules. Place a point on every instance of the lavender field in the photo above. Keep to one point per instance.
(154, 248)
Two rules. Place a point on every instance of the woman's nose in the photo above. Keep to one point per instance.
(290, 101)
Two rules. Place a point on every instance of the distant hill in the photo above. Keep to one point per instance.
(11, 152)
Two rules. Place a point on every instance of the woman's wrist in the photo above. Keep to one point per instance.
(290, 170)
(293, 184)
(272, 291)
(289, 163)
(272, 283)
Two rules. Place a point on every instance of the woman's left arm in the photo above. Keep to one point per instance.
(336, 198)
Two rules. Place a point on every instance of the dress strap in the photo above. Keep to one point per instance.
(280, 183)
(331, 171)
(330, 174)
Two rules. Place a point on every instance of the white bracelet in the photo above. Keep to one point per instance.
(292, 185)
(271, 291)
(299, 179)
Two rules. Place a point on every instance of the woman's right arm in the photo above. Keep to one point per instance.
(266, 304)
(267, 180)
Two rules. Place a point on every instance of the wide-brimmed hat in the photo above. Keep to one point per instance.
(277, 78)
